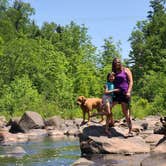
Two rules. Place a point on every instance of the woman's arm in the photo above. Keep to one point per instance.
(130, 78)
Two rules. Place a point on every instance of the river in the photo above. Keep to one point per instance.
(46, 152)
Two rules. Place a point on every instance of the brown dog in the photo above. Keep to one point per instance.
(87, 105)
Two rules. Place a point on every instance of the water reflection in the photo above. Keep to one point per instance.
(46, 152)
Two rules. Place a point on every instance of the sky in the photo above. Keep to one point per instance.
(103, 18)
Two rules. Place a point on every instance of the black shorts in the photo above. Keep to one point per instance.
(121, 97)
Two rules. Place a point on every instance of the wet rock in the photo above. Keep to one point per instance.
(16, 151)
(83, 162)
(36, 134)
(55, 133)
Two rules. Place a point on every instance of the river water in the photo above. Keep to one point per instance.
(59, 152)
(46, 152)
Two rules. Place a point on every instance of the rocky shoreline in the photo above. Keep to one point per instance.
(148, 146)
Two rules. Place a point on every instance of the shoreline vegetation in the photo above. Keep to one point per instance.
(44, 69)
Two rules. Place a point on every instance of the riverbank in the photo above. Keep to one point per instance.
(148, 141)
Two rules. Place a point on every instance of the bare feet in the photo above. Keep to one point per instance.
(101, 121)
(130, 134)
(111, 124)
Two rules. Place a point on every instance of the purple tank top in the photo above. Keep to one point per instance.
(121, 81)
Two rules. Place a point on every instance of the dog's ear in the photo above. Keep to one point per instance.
(83, 99)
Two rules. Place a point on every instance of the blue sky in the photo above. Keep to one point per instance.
(103, 18)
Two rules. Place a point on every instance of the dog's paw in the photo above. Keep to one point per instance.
(83, 123)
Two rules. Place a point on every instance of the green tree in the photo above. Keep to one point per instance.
(15, 19)
(49, 32)
(4, 4)
(110, 51)
(19, 96)
(153, 89)
(148, 43)
(20, 14)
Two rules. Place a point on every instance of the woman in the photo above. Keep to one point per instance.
(124, 82)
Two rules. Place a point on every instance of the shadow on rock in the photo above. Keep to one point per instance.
(98, 131)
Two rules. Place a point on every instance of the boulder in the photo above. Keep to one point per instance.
(31, 120)
(114, 145)
(83, 162)
(55, 121)
(14, 125)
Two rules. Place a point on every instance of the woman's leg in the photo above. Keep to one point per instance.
(126, 112)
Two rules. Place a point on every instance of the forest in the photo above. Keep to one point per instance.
(44, 69)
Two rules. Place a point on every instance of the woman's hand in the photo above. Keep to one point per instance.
(128, 94)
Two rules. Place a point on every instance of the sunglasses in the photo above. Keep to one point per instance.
(117, 62)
